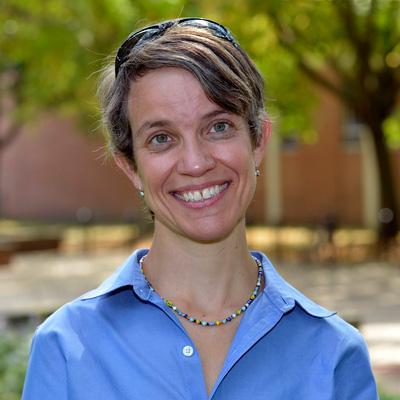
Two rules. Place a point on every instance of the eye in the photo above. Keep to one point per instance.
(221, 130)
(220, 127)
(160, 139)
(159, 142)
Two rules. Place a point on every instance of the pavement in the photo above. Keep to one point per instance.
(366, 294)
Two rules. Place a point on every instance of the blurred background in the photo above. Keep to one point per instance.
(328, 199)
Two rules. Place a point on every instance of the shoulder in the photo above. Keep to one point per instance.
(328, 331)
(342, 336)
(86, 311)
(351, 359)
(63, 325)
(305, 317)
(349, 340)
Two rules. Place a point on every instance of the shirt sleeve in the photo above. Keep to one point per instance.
(353, 377)
(46, 375)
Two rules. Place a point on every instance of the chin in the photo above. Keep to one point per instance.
(207, 238)
(210, 233)
(206, 230)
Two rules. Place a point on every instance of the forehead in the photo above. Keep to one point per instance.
(168, 93)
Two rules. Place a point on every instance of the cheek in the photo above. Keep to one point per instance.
(153, 171)
(242, 160)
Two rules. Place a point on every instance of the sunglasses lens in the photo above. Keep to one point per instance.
(156, 30)
(131, 42)
(207, 24)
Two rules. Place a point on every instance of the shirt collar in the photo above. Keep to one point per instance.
(283, 295)
(127, 275)
(278, 291)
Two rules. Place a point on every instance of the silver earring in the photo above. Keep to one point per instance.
(141, 193)
(257, 172)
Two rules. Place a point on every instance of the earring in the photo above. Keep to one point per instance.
(257, 172)
(141, 194)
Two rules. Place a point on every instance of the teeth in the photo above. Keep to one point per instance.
(197, 196)
(206, 193)
(200, 195)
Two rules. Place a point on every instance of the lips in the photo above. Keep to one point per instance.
(196, 196)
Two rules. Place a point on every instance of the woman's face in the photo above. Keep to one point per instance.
(195, 161)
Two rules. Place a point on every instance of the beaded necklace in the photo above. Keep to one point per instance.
(230, 318)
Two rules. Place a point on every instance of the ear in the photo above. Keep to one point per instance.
(127, 168)
(259, 150)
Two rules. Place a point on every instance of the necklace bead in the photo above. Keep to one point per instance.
(229, 318)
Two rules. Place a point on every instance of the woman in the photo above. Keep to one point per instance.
(197, 316)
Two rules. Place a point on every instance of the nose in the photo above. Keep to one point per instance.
(196, 158)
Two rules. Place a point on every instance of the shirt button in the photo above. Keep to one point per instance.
(187, 351)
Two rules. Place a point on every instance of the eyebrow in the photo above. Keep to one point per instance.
(162, 123)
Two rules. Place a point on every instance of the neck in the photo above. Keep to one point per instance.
(203, 276)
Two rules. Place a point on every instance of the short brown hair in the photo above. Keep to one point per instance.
(228, 77)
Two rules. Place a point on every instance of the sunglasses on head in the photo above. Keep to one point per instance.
(153, 31)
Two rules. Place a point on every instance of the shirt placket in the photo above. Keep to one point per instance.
(186, 354)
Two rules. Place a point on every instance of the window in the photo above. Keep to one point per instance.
(351, 133)
(289, 143)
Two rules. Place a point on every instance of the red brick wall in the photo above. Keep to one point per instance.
(319, 179)
(52, 170)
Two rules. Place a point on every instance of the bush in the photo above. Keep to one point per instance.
(383, 396)
(14, 352)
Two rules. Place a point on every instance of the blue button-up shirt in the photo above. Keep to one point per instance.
(121, 341)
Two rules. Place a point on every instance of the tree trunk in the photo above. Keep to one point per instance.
(5, 140)
(388, 227)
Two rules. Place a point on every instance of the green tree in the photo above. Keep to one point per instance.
(360, 42)
(349, 47)
(50, 51)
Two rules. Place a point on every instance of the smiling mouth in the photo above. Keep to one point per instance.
(195, 196)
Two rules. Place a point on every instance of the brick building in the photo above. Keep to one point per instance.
(336, 177)
(55, 172)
